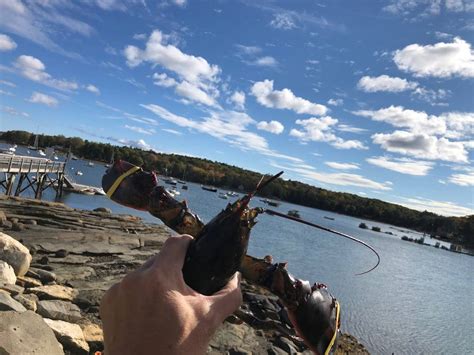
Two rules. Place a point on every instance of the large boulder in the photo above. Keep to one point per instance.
(54, 292)
(26, 333)
(70, 335)
(15, 254)
(7, 274)
(7, 303)
(59, 310)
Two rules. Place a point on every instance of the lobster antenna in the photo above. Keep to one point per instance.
(296, 219)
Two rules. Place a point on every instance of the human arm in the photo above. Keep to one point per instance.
(152, 310)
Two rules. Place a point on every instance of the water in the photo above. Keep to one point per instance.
(418, 301)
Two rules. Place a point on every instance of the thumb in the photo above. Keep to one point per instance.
(227, 300)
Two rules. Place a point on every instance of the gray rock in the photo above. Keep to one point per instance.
(27, 334)
(29, 301)
(7, 225)
(7, 274)
(11, 289)
(58, 292)
(7, 303)
(18, 227)
(31, 222)
(42, 275)
(70, 335)
(103, 210)
(15, 254)
(28, 282)
(286, 345)
(59, 310)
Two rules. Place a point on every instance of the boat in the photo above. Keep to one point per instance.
(270, 202)
(90, 164)
(184, 187)
(223, 195)
(41, 152)
(35, 144)
(6, 151)
(330, 218)
(232, 194)
(73, 157)
(182, 182)
(294, 213)
(209, 188)
(79, 173)
(170, 181)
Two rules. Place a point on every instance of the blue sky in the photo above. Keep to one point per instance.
(369, 97)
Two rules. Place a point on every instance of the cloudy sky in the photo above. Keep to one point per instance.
(369, 97)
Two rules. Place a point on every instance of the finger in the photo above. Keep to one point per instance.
(227, 300)
(173, 252)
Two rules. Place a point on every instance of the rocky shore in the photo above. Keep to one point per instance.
(56, 262)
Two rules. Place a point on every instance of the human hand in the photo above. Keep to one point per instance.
(153, 311)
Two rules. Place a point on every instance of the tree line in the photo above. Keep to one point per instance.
(455, 229)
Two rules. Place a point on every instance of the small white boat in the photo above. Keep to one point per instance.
(42, 153)
(90, 164)
(223, 196)
(79, 173)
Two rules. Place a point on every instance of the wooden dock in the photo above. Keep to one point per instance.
(33, 173)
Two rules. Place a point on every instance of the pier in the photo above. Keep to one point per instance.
(21, 173)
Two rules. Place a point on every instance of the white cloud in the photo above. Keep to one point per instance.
(284, 99)
(341, 166)
(8, 83)
(351, 129)
(339, 179)
(6, 93)
(32, 68)
(37, 21)
(228, 126)
(322, 130)
(141, 144)
(266, 61)
(181, 3)
(164, 80)
(402, 165)
(12, 111)
(422, 146)
(466, 179)
(198, 77)
(159, 52)
(6, 43)
(39, 98)
(398, 116)
(424, 8)
(385, 83)
(431, 96)
(283, 21)
(238, 98)
(335, 102)
(248, 50)
(444, 208)
(172, 131)
(93, 89)
(272, 126)
(147, 131)
(441, 60)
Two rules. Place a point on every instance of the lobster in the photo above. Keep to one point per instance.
(219, 250)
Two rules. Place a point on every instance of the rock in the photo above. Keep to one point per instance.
(7, 303)
(239, 351)
(28, 282)
(15, 254)
(70, 335)
(59, 310)
(93, 334)
(7, 225)
(42, 275)
(31, 222)
(11, 289)
(3, 218)
(61, 253)
(58, 292)
(18, 227)
(286, 345)
(103, 210)
(44, 260)
(26, 333)
(7, 274)
(28, 301)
